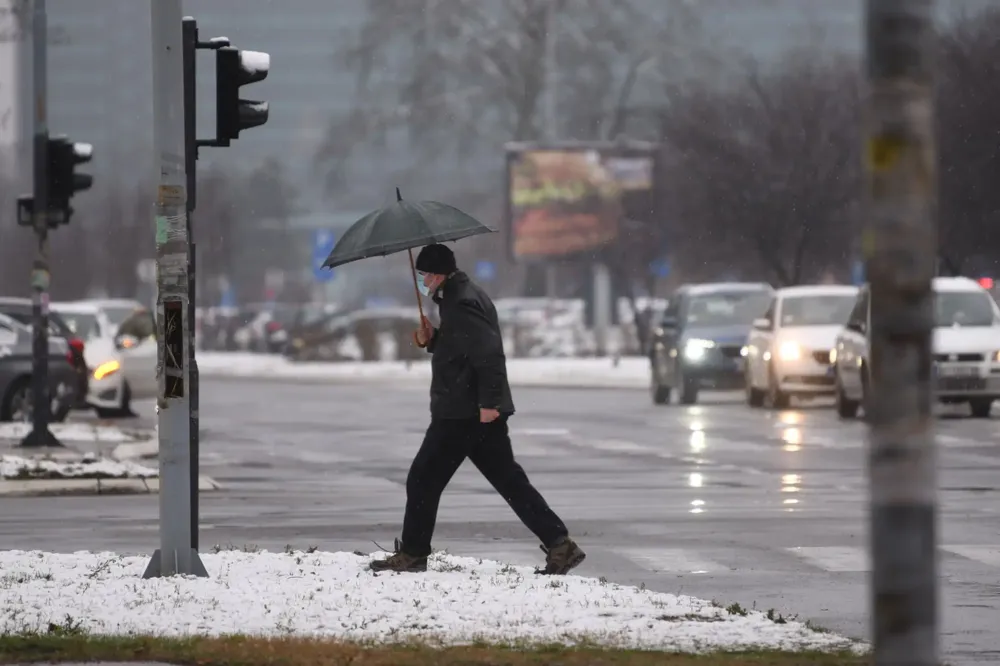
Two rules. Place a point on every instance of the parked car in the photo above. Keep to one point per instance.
(966, 349)
(788, 350)
(16, 372)
(20, 309)
(120, 351)
(701, 336)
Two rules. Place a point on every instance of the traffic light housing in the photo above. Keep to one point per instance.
(64, 181)
(234, 69)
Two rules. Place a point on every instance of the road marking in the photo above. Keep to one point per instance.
(838, 559)
(988, 555)
(671, 560)
(540, 432)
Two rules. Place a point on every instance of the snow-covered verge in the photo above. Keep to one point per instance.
(75, 432)
(628, 372)
(86, 467)
(459, 600)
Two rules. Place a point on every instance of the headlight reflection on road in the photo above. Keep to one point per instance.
(696, 480)
(790, 483)
(697, 441)
(792, 438)
(697, 506)
(790, 418)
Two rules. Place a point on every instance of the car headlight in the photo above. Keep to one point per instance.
(106, 369)
(695, 349)
(996, 357)
(833, 356)
(789, 351)
(744, 351)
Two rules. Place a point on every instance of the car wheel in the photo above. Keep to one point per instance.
(122, 411)
(981, 407)
(846, 408)
(16, 403)
(775, 396)
(661, 393)
(687, 387)
(755, 396)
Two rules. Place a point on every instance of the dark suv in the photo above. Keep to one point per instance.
(701, 339)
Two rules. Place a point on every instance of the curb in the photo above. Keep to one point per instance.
(137, 450)
(80, 487)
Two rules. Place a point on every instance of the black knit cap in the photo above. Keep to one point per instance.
(437, 259)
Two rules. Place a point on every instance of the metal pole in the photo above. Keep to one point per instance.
(899, 243)
(190, 37)
(40, 435)
(176, 554)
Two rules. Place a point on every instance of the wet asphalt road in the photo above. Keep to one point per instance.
(763, 508)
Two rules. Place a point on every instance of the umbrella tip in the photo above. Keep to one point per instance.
(399, 197)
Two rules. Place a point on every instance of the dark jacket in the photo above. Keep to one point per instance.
(468, 366)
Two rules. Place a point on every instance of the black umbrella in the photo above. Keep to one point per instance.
(403, 225)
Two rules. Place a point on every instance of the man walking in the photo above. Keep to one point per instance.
(470, 405)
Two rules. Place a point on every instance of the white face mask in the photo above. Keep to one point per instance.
(424, 289)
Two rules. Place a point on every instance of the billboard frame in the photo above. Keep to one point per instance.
(620, 148)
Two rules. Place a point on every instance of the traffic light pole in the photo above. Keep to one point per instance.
(899, 243)
(40, 435)
(176, 554)
(189, 33)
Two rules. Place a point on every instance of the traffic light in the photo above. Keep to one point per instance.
(64, 181)
(234, 69)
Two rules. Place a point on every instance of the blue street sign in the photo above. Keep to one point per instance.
(228, 299)
(858, 272)
(322, 245)
(660, 267)
(486, 271)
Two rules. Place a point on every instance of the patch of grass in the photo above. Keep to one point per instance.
(69, 644)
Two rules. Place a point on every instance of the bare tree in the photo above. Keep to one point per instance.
(764, 177)
(460, 77)
(968, 108)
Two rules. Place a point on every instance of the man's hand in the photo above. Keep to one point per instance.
(423, 335)
(488, 415)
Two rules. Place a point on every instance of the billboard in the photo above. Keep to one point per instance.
(572, 200)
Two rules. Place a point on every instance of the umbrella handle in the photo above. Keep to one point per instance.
(416, 289)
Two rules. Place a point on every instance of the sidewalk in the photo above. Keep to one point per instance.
(628, 372)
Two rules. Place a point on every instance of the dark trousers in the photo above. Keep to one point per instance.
(446, 446)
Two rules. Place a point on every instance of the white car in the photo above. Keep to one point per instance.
(966, 348)
(120, 351)
(788, 349)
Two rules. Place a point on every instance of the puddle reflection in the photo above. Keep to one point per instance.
(697, 504)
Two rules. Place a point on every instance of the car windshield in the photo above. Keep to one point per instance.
(725, 308)
(825, 310)
(963, 308)
(118, 314)
(83, 325)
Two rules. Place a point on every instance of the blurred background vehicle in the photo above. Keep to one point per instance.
(966, 348)
(20, 310)
(120, 351)
(701, 338)
(788, 350)
(16, 401)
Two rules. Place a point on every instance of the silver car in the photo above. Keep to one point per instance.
(15, 372)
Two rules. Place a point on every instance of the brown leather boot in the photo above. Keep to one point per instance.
(400, 561)
(560, 558)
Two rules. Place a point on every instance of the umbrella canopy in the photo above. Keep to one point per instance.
(403, 225)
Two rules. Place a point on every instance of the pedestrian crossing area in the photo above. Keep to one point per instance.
(765, 561)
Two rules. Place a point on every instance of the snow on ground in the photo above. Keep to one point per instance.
(71, 432)
(87, 467)
(458, 600)
(629, 372)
